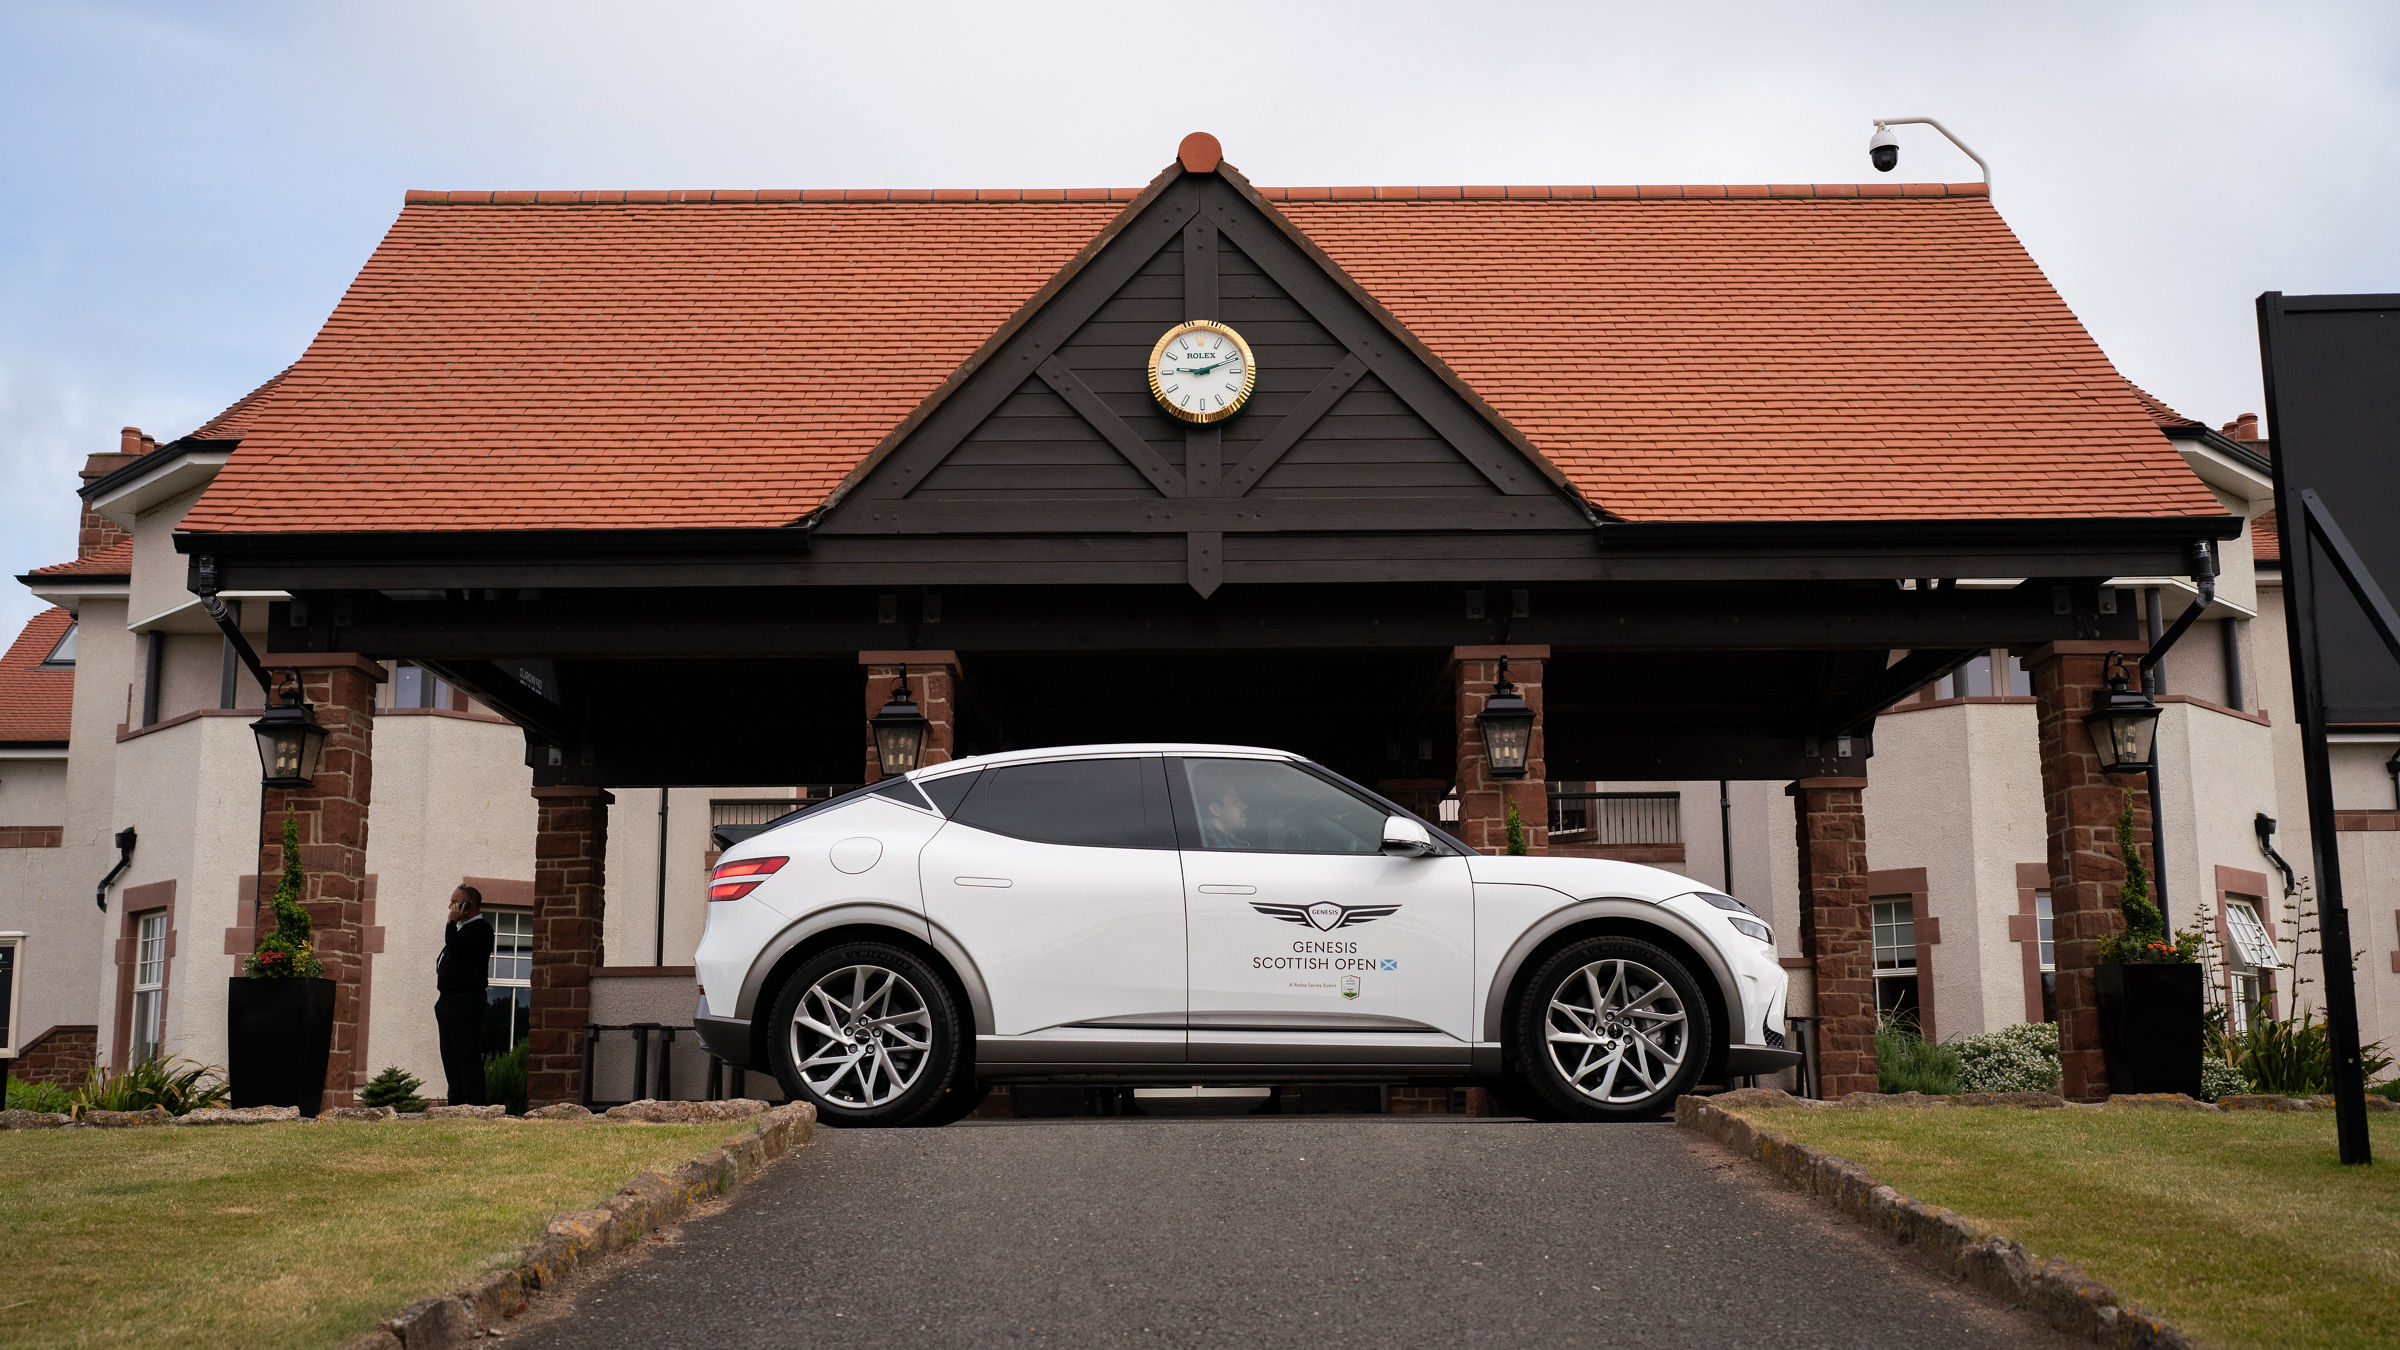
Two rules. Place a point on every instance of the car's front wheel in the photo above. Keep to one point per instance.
(1612, 1028)
(868, 1033)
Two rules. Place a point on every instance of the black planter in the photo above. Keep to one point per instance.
(278, 1034)
(2150, 1027)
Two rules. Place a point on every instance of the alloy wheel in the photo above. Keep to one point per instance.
(861, 1036)
(1617, 1031)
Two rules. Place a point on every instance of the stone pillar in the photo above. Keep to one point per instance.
(2080, 806)
(932, 682)
(1483, 800)
(1837, 929)
(570, 849)
(332, 815)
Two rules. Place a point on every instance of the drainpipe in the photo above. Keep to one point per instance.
(125, 842)
(2392, 767)
(204, 585)
(1725, 821)
(2204, 579)
(658, 955)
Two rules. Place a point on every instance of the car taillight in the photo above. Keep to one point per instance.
(733, 880)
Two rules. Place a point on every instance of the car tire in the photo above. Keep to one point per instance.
(866, 1032)
(1612, 1028)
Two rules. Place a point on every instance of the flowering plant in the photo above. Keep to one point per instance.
(2145, 940)
(284, 951)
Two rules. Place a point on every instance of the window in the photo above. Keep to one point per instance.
(149, 986)
(947, 793)
(64, 653)
(9, 946)
(1271, 806)
(2044, 933)
(1580, 815)
(2020, 680)
(1895, 958)
(1971, 680)
(417, 687)
(509, 984)
(1088, 803)
(2251, 961)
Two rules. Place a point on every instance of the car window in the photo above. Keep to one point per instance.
(1270, 806)
(947, 792)
(1092, 803)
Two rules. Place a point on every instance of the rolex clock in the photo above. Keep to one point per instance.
(1201, 371)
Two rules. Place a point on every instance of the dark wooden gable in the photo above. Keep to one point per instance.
(1054, 432)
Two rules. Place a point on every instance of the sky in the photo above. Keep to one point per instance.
(186, 189)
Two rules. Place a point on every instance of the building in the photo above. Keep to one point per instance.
(1747, 485)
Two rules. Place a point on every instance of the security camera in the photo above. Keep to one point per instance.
(1884, 149)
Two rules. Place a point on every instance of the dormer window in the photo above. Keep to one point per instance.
(64, 653)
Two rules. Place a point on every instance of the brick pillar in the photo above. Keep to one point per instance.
(932, 682)
(570, 848)
(1837, 929)
(332, 814)
(2080, 806)
(1483, 800)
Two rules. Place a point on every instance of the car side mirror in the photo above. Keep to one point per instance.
(1405, 838)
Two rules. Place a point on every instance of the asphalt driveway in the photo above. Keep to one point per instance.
(1307, 1231)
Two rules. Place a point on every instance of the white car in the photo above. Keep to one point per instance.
(1207, 914)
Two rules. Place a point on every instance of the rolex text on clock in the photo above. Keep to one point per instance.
(1201, 371)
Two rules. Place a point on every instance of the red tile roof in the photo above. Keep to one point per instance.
(2266, 539)
(236, 421)
(35, 703)
(1687, 353)
(116, 560)
(2159, 411)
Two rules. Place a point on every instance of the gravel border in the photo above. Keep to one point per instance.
(2060, 1291)
(647, 1203)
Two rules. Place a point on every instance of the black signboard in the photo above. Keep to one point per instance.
(2333, 406)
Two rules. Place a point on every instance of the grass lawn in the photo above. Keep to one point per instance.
(2241, 1229)
(288, 1235)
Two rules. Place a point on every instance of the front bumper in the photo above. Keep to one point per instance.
(1749, 1059)
(728, 1038)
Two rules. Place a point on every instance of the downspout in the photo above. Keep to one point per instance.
(1725, 826)
(125, 842)
(2204, 579)
(204, 585)
(658, 954)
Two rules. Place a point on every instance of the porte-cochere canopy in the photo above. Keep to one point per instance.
(624, 461)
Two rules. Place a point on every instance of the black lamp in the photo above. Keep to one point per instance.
(1507, 725)
(2123, 723)
(289, 741)
(899, 731)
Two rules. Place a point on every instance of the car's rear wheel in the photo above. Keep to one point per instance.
(1612, 1028)
(868, 1033)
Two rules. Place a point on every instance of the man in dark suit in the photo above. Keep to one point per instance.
(459, 975)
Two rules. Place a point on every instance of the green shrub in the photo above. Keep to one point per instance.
(396, 1088)
(175, 1083)
(285, 950)
(2292, 1056)
(2388, 1089)
(1906, 1062)
(24, 1096)
(2220, 1079)
(1515, 826)
(2144, 940)
(504, 1078)
(2022, 1058)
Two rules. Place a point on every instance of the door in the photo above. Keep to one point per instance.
(1062, 881)
(1308, 942)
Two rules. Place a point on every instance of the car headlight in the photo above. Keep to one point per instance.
(1754, 928)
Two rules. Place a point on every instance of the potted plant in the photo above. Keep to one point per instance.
(2149, 988)
(279, 1019)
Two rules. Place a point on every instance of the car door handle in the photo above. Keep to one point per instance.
(1229, 890)
(1001, 883)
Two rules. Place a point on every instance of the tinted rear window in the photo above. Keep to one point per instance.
(947, 793)
(1092, 803)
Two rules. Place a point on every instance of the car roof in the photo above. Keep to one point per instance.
(932, 771)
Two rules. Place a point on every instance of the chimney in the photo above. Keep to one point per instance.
(2243, 428)
(95, 531)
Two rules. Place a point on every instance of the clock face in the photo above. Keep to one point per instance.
(1201, 371)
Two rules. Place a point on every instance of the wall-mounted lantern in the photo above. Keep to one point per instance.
(289, 741)
(900, 730)
(1507, 725)
(2123, 723)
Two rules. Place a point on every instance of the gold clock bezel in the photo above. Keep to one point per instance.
(1249, 372)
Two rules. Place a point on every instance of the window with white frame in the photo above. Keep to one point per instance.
(1896, 957)
(2045, 931)
(413, 686)
(508, 987)
(64, 653)
(2251, 960)
(11, 946)
(149, 986)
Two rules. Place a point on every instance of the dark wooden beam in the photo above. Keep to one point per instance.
(1295, 424)
(1104, 420)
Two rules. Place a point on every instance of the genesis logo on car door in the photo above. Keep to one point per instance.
(1325, 916)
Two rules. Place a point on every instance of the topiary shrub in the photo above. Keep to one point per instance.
(2145, 940)
(1515, 825)
(285, 950)
(396, 1088)
(2022, 1058)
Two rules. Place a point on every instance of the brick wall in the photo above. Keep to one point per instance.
(1483, 800)
(332, 814)
(94, 531)
(2080, 806)
(570, 852)
(61, 1055)
(1837, 929)
(32, 836)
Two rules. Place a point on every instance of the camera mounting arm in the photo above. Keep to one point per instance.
(1883, 122)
